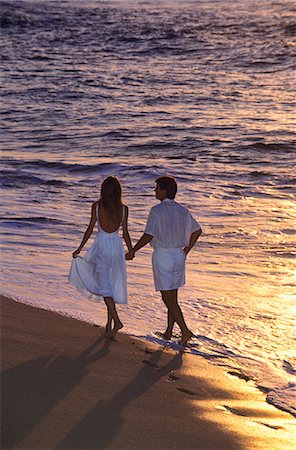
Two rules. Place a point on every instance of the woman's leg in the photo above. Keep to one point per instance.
(114, 315)
(109, 321)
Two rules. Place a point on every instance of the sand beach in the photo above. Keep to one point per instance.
(65, 386)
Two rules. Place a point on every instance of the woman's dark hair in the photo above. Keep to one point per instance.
(169, 184)
(111, 198)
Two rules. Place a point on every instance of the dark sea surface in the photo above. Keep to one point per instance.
(202, 90)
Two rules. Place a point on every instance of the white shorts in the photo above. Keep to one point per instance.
(168, 268)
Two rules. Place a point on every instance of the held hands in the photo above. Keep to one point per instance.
(130, 255)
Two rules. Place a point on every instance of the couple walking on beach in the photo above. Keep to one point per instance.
(170, 229)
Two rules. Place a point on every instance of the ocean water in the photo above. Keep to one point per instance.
(202, 90)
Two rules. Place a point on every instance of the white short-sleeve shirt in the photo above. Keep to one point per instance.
(170, 224)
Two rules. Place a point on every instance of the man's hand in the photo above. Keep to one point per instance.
(130, 255)
(76, 253)
(194, 236)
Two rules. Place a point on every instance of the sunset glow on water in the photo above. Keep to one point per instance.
(200, 90)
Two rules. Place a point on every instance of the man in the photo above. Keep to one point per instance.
(172, 232)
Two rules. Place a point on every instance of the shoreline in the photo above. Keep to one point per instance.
(154, 339)
(66, 386)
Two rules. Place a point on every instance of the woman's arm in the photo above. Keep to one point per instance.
(89, 230)
(125, 234)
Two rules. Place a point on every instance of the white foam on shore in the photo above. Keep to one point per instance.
(278, 397)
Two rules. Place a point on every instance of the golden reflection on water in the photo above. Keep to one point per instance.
(249, 254)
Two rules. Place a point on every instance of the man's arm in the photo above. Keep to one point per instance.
(145, 239)
(193, 238)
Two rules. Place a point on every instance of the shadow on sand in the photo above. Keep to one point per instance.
(30, 390)
(104, 420)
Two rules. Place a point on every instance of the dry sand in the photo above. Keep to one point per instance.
(65, 386)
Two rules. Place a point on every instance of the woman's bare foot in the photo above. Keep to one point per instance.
(185, 338)
(113, 332)
(108, 328)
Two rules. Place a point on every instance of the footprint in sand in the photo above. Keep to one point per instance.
(172, 377)
(187, 391)
(239, 375)
(150, 363)
(233, 410)
(148, 351)
(274, 427)
(245, 414)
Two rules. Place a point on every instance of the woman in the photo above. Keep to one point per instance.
(102, 272)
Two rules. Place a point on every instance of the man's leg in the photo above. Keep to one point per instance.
(170, 298)
(169, 331)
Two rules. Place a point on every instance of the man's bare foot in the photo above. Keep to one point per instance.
(113, 332)
(185, 338)
(167, 335)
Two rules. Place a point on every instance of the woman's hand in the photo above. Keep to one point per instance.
(76, 253)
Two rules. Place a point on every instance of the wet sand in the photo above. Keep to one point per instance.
(65, 386)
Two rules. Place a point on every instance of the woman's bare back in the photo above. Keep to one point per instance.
(105, 223)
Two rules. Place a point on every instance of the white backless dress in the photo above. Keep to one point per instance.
(102, 271)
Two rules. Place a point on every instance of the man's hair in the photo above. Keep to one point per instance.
(169, 184)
